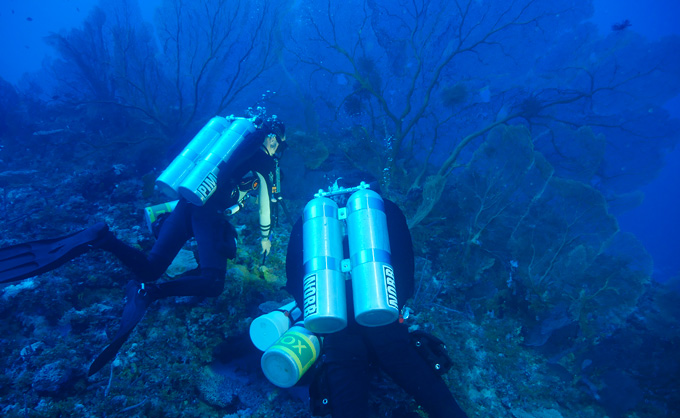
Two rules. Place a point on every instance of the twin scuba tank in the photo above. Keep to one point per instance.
(193, 173)
(290, 352)
(369, 264)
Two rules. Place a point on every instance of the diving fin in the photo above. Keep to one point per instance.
(139, 297)
(29, 259)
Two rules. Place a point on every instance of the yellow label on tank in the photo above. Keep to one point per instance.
(299, 347)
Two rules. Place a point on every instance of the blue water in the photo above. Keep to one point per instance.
(655, 221)
(546, 308)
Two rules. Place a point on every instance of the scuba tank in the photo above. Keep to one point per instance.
(373, 287)
(171, 178)
(285, 362)
(155, 215)
(266, 329)
(373, 283)
(325, 307)
(193, 173)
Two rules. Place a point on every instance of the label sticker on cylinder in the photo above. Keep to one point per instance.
(207, 186)
(309, 295)
(300, 348)
(390, 286)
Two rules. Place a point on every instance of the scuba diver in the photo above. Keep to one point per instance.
(359, 319)
(205, 178)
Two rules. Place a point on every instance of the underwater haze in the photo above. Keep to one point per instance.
(532, 145)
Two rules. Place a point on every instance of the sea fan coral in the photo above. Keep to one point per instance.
(353, 105)
(622, 25)
(366, 65)
(531, 106)
(454, 95)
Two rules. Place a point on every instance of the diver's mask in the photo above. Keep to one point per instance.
(283, 145)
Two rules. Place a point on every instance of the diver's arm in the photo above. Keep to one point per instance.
(265, 213)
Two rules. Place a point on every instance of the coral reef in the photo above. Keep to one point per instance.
(527, 339)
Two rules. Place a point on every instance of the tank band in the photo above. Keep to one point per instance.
(323, 263)
(371, 255)
(323, 209)
(365, 203)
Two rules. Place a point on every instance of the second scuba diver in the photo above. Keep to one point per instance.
(249, 146)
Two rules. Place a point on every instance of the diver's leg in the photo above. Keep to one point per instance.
(210, 230)
(174, 233)
(216, 244)
(138, 299)
(399, 359)
(346, 367)
(215, 237)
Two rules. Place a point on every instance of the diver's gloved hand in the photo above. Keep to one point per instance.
(139, 297)
(266, 246)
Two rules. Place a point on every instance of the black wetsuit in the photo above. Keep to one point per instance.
(347, 354)
(215, 237)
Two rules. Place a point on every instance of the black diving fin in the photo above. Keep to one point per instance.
(138, 299)
(21, 261)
